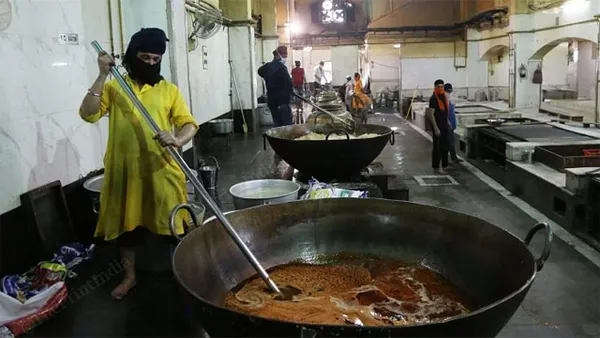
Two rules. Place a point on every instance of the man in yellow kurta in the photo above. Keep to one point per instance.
(142, 183)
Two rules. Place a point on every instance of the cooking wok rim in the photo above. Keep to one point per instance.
(387, 133)
(480, 310)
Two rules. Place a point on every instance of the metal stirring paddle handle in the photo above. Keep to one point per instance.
(192, 178)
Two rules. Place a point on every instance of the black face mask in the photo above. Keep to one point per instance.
(144, 72)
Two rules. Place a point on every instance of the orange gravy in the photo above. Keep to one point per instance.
(367, 292)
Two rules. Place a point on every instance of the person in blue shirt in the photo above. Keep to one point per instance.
(279, 87)
(452, 118)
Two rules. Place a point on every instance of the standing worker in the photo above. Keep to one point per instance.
(142, 183)
(279, 87)
(452, 118)
(319, 74)
(359, 101)
(345, 91)
(299, 80)
(438, 117)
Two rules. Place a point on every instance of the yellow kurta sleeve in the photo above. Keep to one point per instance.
(180, 114)
(104, 104)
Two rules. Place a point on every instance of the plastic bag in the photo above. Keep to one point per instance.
(30, 298)
(12, 309)
(52, 299)
(317, 190)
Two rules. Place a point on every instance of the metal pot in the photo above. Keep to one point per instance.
(221, 126)
(260, 192)
(189, 187)
(496, 122)
(209, 174)
(492, 267)
(94, 185)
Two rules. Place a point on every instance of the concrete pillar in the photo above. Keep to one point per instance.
(585, 70)
(477, 74)
(237, 10)
(526, 93)
(519, 7)
(283, 16)
(242, 58)
(597, 82)
(269, 45)
(241, 52)
(267, 9)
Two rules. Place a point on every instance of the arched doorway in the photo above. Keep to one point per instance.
(497, 71)
(569, 76)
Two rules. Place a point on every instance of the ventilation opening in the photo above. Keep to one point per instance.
(594, 228)
(580, 212)
(560, 206)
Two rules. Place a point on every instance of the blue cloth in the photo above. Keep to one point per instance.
(452, 116)
(45, 274)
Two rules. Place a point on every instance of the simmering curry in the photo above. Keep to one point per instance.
(365, 292)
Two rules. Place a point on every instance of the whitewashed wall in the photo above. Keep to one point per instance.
(42, 138)
(555, 67)
(209, 88)
(139, 14)
(345, 62)
(575, 21)
(310, 59)
(384, 67)
(498, 72)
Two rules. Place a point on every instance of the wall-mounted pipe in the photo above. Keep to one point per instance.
(110, 27)
(597, 86)
(121, 33)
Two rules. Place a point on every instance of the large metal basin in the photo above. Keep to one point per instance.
(328, 159)
(493, 268)
(258, 192)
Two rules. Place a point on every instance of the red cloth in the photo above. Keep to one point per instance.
(298, 77)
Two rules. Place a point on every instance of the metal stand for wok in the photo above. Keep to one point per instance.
(194, 181)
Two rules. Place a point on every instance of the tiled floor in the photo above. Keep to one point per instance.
(563, 301)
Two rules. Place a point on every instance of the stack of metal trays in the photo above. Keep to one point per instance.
(327, 97)
(329, 101)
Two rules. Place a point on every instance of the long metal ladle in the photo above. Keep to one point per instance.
(194, 180)
(350, 125)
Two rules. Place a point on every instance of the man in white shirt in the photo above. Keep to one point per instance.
(319, 75)
(349, 92)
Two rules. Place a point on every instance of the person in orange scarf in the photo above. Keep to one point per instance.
(360, 100)
(438, 117)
